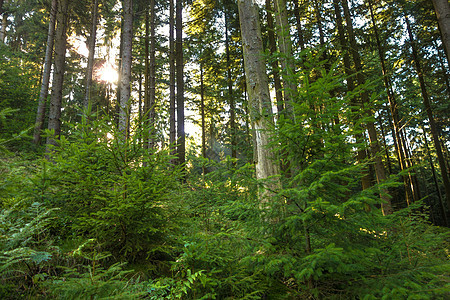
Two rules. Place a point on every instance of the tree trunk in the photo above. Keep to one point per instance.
(152, 77)
(361, 153)
(258, 94)
(45, 74)
(427, 104)
(91, 58)
(145, 119)
(125, 79)
(202, 112)
(4, 22)
(442, 9)
(386, 206)
(401, 149)
(287, 62)
(274, 64)
(230, 91)
(3, 27)
(181, 150)
(301, 41)
(436, 184)
(172, 123)
(54, 121)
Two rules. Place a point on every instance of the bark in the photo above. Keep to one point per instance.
(145, 119)
(45, 74)
(202, 112)
(230, 91)
(172, 123)
(442, 9)
(287, 62)
(152, 82)
(274, 63)
(90, 67)
(125, 80)
(3, 27)
(54, 121)
(386, 206)
(436, 184)
(258, 94)
(301, 41)
(401, 149)
(181, 150)
(361, 153)
(427, 104)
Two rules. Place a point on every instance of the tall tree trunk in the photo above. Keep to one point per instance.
(442, 9)
(301, 41)
(54, 121)
(427, 104)
(45, 74)
(361, 153)
(125, 70)
(258, 93)
(443, 67)
(172, 123)
(436, 184)
(284, 163)
(140, 114)
(287, 62)
(386, 148)
(401, 149)
(202, 112)
(91, 57)
(181, 150)
(274, 63)
(150, 114)
(230, 90)
(386, 206)
(3, 27)
(145, 119)
(4, 22)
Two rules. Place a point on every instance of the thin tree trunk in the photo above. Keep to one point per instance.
(152, 75)
(442, 9)
(91, 57)
(45, 74)
(172, 123)
(202, 112)
(181, 150)
(3, 27)
(409, 186)
(388, 159)
(145, 119)
(258, 94)
(436, 184)
(54, 122)
(274, 63)
(287, 62)
(427, 104)
(386, 206)
(140, 138)
(125, 80)
(230, 91)
(4, 16)
(301, 41)
(361, 153)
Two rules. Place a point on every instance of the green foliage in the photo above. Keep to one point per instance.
(91, 280)
(18, 91)
(110, 190)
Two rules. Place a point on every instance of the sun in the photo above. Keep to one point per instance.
(107, 73)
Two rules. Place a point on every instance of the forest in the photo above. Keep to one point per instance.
(224, 149)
